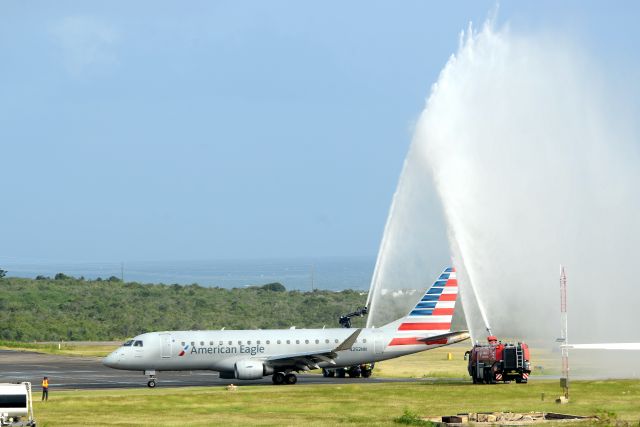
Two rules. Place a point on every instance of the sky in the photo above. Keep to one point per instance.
(158, 130)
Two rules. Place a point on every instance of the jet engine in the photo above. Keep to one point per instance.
(251, 369)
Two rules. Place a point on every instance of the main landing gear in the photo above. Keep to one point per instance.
(152, 378)
(280, 378)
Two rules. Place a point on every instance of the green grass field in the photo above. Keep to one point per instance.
(320, 405)
(97, 349)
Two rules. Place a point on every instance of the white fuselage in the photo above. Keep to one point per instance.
(219, 350)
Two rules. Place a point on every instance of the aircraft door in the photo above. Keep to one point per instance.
(165, 345)
(378, 341)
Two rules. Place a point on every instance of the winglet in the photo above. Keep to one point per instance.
(348, 343)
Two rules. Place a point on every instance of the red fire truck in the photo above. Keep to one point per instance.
(497, 361)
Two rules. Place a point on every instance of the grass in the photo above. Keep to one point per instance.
(321, 405)
(432, 363)
(96, 349)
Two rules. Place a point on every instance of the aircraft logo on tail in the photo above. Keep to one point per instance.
(433, 313)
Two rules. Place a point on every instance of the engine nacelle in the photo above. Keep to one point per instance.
(251, 369)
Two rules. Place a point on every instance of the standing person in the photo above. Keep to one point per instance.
(45, 388)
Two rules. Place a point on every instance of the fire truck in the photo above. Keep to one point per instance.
(497, 361)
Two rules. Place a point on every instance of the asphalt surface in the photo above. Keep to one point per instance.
(81, 373)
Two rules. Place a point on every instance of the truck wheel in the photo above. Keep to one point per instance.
(340, 373)
(366, 373)
(487, 376)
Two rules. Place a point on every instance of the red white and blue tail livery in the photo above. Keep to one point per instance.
(429, 322)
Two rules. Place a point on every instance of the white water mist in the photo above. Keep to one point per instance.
(535, 165)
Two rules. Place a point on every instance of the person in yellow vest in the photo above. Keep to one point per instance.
(45, 388)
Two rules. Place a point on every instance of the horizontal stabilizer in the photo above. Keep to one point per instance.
(448, 338)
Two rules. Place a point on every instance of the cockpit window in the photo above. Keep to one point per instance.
(137, 344)
(128, 343)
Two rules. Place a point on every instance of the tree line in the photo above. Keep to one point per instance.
(75, 309)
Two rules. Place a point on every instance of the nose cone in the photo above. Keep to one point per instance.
(111, 360)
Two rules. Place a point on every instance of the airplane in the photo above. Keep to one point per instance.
(254, 354)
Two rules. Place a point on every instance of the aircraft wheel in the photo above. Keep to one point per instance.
(340, 373)
(366, 373)
(354, 372)
(151, 383)
(278, 378)
(290, 378)
(325, 373)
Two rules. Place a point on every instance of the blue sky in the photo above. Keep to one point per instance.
(199, 130)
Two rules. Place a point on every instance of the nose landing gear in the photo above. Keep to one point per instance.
(152, 378)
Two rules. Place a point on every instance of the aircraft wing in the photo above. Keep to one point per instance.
(310, 360)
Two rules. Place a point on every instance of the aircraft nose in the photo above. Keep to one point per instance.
(111, 360)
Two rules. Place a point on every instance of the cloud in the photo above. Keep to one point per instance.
(86, 43)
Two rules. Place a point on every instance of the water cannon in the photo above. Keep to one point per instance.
(345, 320)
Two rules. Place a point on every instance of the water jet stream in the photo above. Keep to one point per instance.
(534, 163)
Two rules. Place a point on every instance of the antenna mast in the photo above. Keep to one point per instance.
(564, 337)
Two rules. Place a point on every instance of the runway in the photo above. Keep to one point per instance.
(82, 373)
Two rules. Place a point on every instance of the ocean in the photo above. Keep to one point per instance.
(305, 274)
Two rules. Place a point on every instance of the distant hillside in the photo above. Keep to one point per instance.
(73, 309)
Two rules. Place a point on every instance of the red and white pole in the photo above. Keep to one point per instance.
(564, 381)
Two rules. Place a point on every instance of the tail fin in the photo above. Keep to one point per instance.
(432, 314)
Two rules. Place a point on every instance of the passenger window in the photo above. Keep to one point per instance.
(248, 342)
(137, 344)
(306, 341)
(202, 343)
(220, 343)
(336, 341)
(288, 341)
(364, 340)
(239, 342)
(230, 342)
(317, 341)
(258, 342)
(193, 343)
(183, 343)
(297, 341)
(326, 341)
(268, 342)
(279, 342)
(210, 342)
(127, 343)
